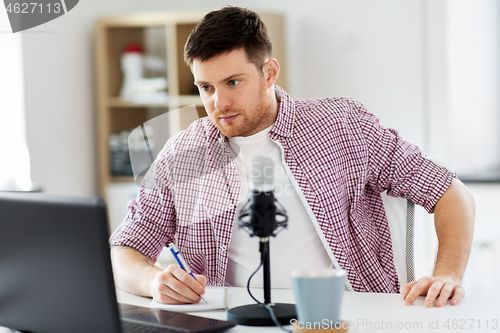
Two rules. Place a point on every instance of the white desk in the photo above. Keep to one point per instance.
(371, 313)
(374, 312)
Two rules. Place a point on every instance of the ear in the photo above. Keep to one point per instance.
(271, 71)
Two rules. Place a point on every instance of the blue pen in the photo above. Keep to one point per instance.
(182, 263)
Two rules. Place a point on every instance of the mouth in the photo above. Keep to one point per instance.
(228, 118)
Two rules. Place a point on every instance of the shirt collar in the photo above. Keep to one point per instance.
(286, 114)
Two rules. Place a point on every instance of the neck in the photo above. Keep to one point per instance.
(273, 106)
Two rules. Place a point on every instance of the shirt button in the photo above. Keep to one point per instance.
(223, 247)
(230, 206)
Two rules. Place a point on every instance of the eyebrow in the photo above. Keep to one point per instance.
(223, 80)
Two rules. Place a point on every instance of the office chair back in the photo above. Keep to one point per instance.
(400, 214)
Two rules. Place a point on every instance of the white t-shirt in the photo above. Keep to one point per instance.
(296, 247)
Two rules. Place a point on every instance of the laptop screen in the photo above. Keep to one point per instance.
(55, 269)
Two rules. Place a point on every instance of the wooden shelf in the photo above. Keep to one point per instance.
(121, 179)
(175, 101)
(187, 100)
(118, 102)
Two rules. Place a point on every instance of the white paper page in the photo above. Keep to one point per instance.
(216, 299)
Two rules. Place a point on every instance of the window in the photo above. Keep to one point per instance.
(14, 156)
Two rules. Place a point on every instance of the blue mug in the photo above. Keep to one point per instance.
(318, 295)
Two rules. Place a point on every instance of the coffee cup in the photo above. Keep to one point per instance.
(318, 295)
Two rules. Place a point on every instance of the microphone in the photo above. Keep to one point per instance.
(262, 215)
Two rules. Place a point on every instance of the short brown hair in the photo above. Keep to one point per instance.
(228, 29)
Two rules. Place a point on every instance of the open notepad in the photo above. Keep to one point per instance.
(216, 300)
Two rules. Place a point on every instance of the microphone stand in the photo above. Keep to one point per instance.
(264, 257)
(260, 314)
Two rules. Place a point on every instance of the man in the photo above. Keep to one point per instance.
(333, 155)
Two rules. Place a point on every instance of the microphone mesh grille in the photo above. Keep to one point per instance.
(262, 173)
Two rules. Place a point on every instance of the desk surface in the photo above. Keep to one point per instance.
(371, 312)
(375, 312)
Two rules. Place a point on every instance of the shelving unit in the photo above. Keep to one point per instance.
(163, 34)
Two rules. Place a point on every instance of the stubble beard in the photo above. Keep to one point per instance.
(253, 121)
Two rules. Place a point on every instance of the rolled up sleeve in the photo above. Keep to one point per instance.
(151, 221)
(399, 167)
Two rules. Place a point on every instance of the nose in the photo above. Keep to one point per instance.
(221, 100)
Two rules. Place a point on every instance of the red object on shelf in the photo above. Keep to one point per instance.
(133, 48)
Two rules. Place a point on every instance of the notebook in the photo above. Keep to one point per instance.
(216, 299)
(56, 277)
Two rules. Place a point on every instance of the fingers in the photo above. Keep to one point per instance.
(187, 280)
(419, 288)
(168, 295)
(457, 297)
(179, 285)
(437, 290)
(406, 288)
(175, 286)
(201, 279)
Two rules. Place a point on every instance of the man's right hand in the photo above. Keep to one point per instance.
(175, 286)
(136, 273)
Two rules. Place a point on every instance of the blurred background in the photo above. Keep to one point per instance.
(428, 68)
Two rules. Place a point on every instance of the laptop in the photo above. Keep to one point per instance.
(56, 276)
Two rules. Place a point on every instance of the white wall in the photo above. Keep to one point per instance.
(14, 156)
(473, 61)
(368, 50)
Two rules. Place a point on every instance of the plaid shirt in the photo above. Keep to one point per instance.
(340, 157)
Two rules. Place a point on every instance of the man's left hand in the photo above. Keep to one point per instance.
(437, 289)
(454, 221)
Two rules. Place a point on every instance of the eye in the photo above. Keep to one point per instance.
(205, 88)
(233, 83)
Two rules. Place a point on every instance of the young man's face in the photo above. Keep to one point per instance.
(236, 96)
